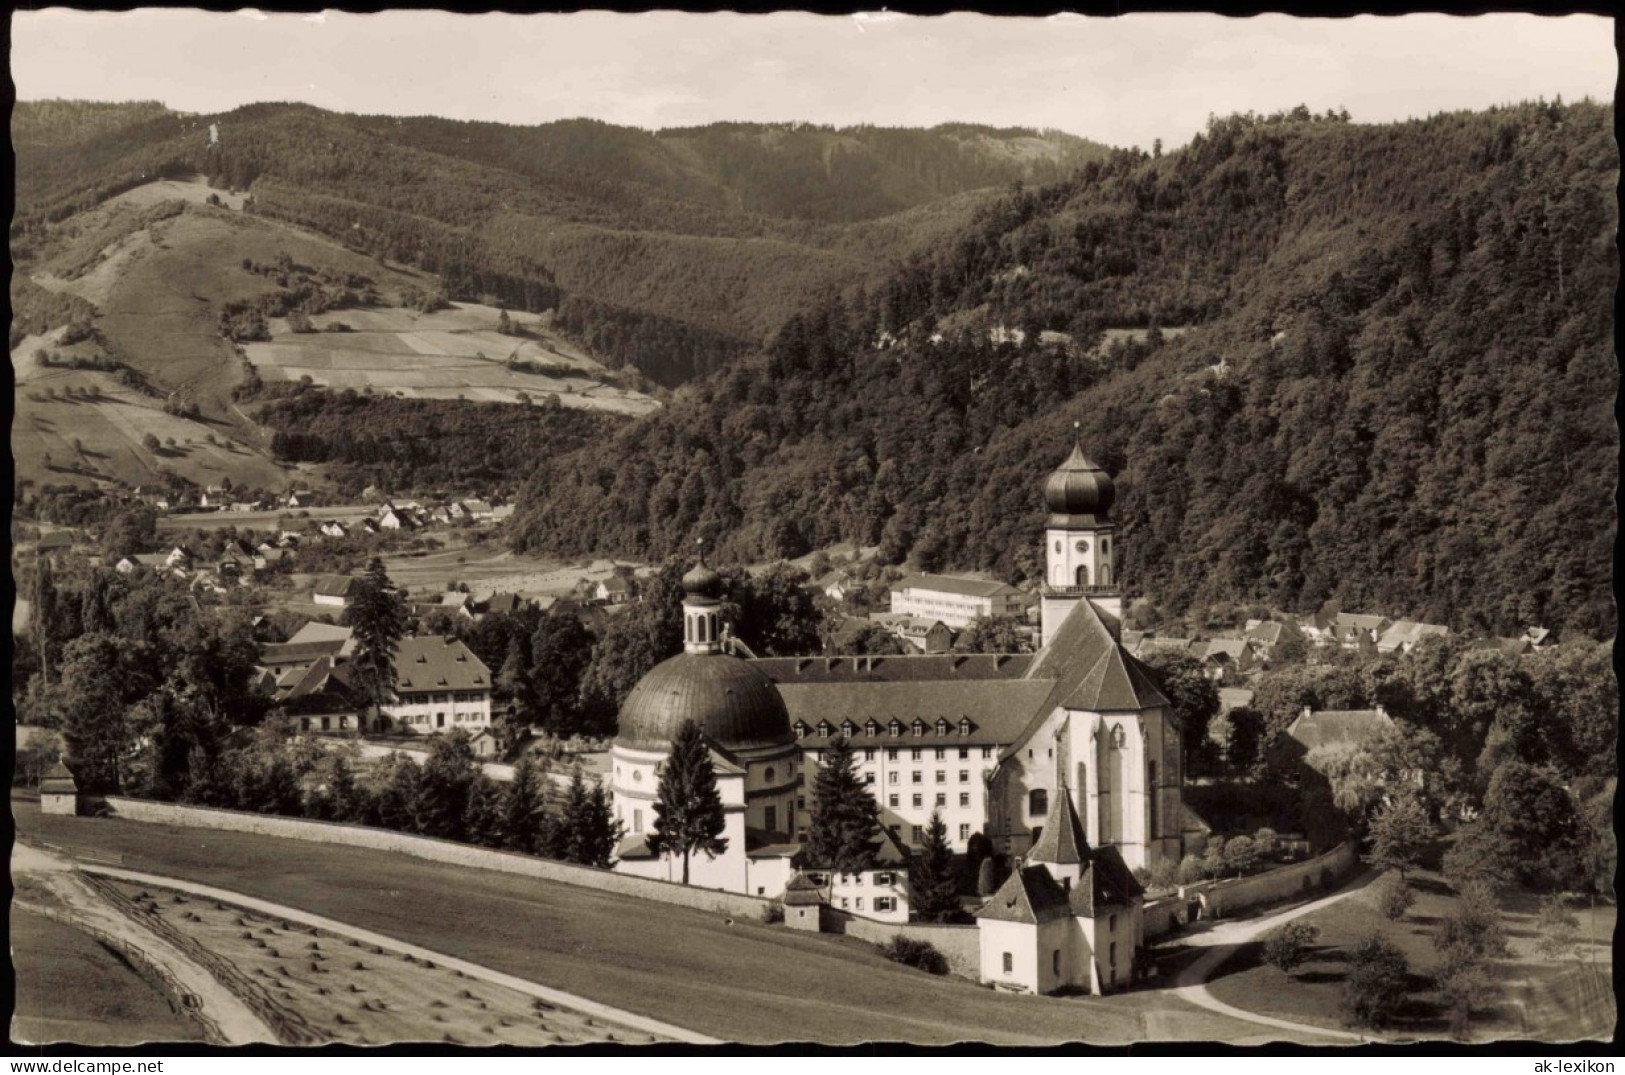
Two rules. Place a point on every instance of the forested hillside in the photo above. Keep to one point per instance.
(705, 238)
(1396, 391)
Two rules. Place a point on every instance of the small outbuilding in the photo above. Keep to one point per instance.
(804, 904)
(58, 791)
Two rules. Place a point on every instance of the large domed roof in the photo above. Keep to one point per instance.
(1079, 491)
(735, 705)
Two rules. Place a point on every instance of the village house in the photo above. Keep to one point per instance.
(615, 590)
(333, 528)
(1403, 635)
(392, 518)
(953, 600)
(478, 510)
(301, 498)
(336, 590)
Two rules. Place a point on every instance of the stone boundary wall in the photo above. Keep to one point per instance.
(753, 908)
(1227, 897)
(960, 944)
(1165, 915)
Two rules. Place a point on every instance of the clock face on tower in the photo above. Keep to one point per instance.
(1082, 546)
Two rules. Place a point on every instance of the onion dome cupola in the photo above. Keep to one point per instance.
(1079, 492)
(702, 609)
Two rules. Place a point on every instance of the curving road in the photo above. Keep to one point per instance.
(1225, 937)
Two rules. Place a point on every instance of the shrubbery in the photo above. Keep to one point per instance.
(922, 955)
(1286, 947)
(1376, 984)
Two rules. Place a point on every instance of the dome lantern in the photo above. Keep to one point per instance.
(701, 581)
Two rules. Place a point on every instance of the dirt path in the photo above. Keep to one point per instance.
(1224, 938)
(471, 970)
(62, 895)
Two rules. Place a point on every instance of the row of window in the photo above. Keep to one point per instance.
(872, 728)
(441, 697)
(919, 777)
(918, 753)
(882, 903)
(918, 803)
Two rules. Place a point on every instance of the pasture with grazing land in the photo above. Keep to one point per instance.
(456, 353)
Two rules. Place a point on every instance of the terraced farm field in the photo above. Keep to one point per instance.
(449, 354)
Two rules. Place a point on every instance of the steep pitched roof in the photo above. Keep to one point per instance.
(801, 892)
(1028, 895)
(438, 664)
(1106, 883)
(1062, 841)
(997, 709)
(316, 631)
(913, 668)
(1329, 727)
(336, 586)
(954, 584)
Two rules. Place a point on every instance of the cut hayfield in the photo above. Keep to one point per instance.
(352, 995)
(195, 189)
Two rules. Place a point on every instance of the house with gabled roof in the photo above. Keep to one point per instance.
(1069, 917)
(1402, 635)
(439, 685)
(336, 590)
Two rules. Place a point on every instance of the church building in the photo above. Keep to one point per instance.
(1002, 745)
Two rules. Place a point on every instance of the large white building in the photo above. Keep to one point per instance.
(955, 601)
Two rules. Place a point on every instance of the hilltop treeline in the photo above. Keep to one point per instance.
(1398, 393)
(682, 247)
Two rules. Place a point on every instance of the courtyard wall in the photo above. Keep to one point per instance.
(959, 944)
(1232, 895)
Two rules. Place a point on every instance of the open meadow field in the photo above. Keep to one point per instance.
(490, 570)
(71, 987)
(737, 980)
(1547, 1000)
(448, 354)
(77, 426)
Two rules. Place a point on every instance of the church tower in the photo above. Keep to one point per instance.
(1079, 542)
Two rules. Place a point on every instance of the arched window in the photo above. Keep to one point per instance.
(1038, 803)
(1105, 574)
(768, 776)
(1083, 574)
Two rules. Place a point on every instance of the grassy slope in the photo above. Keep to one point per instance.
(743, 982)
(72, 988)
(1311, 995)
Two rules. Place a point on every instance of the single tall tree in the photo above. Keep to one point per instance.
(844, 832)
(935, 889)
(688, 809)
(1400, 832)
(379, 618)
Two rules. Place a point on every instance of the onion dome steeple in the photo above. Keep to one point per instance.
(1078, 492)
(702, 608)
(701, 580)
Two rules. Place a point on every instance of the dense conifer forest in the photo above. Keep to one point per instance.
(1395, 393)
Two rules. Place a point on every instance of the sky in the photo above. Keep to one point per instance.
(1122, 81)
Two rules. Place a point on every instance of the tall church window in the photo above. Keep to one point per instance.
(1105, 574)
(1156, 798)
(1038, 803)
(1083, 574)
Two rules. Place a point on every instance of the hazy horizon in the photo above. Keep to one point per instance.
(1122, 81)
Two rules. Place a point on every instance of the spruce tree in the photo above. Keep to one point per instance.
(520, 824)
(482, 817)
(935, 889)
(688, 810)
(844, 832)
(590, 831)
(379, 619)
